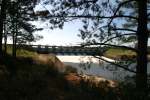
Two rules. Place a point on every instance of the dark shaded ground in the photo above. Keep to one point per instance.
(24, 78)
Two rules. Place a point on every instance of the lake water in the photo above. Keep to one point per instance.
(93, 66)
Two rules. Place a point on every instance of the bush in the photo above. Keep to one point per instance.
(70, 69)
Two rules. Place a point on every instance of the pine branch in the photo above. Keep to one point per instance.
(112, 45)
(118, 8)
(118, 37)
(113, 63)
(124, 29)
(93, 17)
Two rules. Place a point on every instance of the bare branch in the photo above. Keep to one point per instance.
(124, 29)
(119, 6)
(148, 14)
(118, 36)
(120, 66)
(125, 47)
(92, 17)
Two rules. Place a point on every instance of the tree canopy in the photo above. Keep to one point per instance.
(107, 22)
(16, 17)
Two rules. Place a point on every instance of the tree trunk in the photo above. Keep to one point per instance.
(14, 47)
(13, 37)
(5, 37)
(142, 35)
(5, 44)
(2, 18)
(14, 41)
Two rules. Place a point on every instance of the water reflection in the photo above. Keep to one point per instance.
(92, 66)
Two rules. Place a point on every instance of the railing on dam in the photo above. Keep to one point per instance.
(64, 50)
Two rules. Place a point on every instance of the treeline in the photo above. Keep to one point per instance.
(15, 23)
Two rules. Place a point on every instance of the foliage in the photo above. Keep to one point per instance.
(107, 23)
(16, 18)
(20, 14)
(21, 52)
(70, 69)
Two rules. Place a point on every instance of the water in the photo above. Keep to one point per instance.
(93, 66)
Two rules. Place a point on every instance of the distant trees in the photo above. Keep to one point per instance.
(15, 20)
(107, 22)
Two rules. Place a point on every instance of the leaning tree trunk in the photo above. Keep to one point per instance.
(142, 35)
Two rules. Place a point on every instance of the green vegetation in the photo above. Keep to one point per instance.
(30, 76)
(25, 53)
(21, 52)
(107, 23)
(116, 53)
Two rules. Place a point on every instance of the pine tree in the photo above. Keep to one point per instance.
(105, 22)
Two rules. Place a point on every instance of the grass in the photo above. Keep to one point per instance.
(25, 78)
(116, 53)
(21, 52)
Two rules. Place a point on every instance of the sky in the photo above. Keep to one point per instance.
(65, 36)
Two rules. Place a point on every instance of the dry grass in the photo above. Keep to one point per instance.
(37, 78)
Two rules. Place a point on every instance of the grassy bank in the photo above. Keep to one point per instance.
(30, 77)
(116, 53)
(36, 77)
